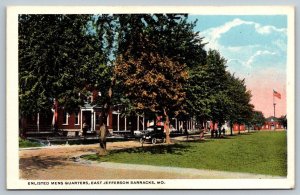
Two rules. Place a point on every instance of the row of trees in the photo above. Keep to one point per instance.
(150, 63)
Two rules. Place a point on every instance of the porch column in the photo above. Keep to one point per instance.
(80, 120)
(125, 120)
(138, 123)
(107, 120)
(118, 122)
(53, 117)
(176, 124)
(38, 122)
(143, 122)
(187, 125)
(92, 120)
(194, 124)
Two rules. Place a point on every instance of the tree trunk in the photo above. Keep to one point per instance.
(168, 140)
(102, 139)
(214, 134)
(231, 127)
(203, 129)
(103, 128)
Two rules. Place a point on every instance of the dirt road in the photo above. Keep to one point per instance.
(60, 163)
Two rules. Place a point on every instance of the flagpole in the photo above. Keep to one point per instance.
(274, 104)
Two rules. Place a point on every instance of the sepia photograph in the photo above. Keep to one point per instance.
(157, 97)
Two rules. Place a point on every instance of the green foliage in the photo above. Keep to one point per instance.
(63, 57)
(162, 45)
(146, 62)
(257, 119)
(259, 153)
(55, 54)
(207, 89)
(153, 53)
(23, 143)
(170, 35)
(283, 121)
(241, 109)
(214, 94)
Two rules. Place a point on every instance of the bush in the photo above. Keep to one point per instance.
(23, 143)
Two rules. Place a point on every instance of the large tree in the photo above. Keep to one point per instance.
(198, 93)
(283, 121)
(257, 119)
(65, 58)
(55, 53)
(170, 35)
(219, 102)
(172, 45)
(241, 109)
(153, 83)
(215, 94)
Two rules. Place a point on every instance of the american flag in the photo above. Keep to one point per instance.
(276, 94)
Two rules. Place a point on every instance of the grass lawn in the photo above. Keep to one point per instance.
(259, 152)
(23, 143)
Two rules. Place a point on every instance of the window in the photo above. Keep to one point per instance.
(76, 118)
(66, 118)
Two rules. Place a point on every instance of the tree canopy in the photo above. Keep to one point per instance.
(152, 68)
(147, 62)
(257, 119)
(55, 54)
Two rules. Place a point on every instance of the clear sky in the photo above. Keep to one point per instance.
(255, 47)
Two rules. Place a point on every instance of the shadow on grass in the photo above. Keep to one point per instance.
(195, 141)
(176, 149)
(227, 137)
(246, 133)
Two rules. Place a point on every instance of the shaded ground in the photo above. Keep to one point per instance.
(62, 163)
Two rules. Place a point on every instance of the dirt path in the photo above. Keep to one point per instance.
(58, 163)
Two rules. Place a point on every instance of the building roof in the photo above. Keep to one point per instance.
(272, 119)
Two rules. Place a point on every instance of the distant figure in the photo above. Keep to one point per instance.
(216, 133)
(85, 128)
(202, 133)
(220, 132)
(223, 131)
(212, 133)
(186, 133)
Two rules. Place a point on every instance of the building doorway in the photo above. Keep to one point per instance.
(87, 120)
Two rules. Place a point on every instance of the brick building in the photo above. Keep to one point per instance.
(88, 116)
(272, 123)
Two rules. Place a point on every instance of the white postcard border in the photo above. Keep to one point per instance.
(13, 181)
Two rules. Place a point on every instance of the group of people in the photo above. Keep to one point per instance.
(215, 133)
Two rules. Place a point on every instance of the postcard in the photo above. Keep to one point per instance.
(153, 97)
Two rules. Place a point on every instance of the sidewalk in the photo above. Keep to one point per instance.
(184, 172)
